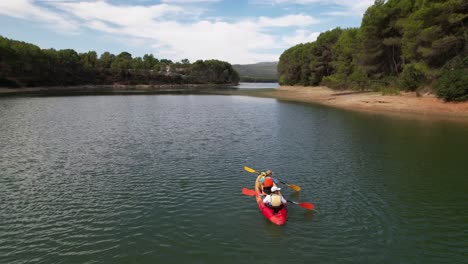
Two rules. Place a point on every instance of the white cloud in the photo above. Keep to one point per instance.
(353, 8)
(188, 1)
(26, 9)
(287, 21)
(55, 1)
(170, 31)
(302, 2)
(301, 36)
(236, 42)
(122, 15)
(101, 26)
(361, 6)
(349, 7)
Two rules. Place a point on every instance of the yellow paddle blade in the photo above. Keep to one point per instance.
(294, 187)
(250, 169)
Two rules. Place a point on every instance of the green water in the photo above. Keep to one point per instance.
(158, 179)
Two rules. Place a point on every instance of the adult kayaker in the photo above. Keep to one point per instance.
(275, 200)
(267, 181)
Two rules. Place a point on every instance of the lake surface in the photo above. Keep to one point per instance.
(245, 85)
(158, 179)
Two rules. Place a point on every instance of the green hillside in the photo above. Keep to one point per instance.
(400, 45)
(258, 72)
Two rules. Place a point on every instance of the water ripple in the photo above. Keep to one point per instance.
(144, 179)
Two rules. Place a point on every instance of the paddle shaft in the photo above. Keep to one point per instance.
(305, 205)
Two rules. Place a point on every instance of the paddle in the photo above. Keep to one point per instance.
(248, 192)
(292, 186)
(305, 205)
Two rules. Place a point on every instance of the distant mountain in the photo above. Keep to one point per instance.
(258, 72)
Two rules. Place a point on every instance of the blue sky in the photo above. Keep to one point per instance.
(237, 31)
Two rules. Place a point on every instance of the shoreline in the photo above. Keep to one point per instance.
(117, 89)
(405, 105)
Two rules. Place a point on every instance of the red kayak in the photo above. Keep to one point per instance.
(278, 218)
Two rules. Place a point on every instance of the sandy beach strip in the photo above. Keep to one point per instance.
(404, 105)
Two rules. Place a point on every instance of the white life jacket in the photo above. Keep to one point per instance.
(275, 200)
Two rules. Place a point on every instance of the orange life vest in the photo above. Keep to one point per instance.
(268, 182)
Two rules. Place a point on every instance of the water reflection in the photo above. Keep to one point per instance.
(245, 85)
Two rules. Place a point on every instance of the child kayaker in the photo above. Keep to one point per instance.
(267, 181)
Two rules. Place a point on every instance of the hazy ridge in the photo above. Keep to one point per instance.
(260, 72)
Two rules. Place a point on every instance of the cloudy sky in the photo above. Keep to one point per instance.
(237, 31)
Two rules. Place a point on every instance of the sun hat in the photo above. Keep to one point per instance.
(274, 189)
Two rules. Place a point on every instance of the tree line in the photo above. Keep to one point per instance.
(410, 45)
(255, 79)
(26, 65)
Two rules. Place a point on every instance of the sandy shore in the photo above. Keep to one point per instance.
(404, 105)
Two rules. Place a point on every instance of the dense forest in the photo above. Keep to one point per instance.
(409, 45)
(26, 65)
